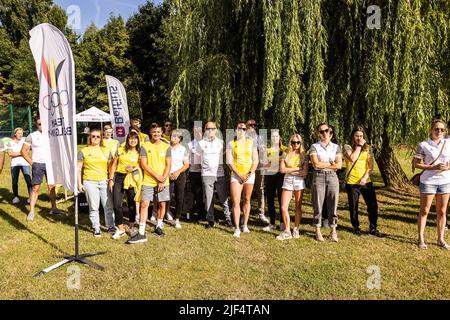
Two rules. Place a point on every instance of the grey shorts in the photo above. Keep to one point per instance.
(150, 193)
(38, 171)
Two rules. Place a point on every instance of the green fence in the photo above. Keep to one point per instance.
(15, 117)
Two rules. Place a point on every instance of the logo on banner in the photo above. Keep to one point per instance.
(57, 98)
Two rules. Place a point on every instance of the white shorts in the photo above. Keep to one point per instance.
(235, 178)
(293, 183)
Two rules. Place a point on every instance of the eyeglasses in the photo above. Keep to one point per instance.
(295, 142)
(95, 137)
(324, 131)
(439, 130)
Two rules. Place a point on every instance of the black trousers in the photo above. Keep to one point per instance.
(178, 186)
(273, 187)
(195, 179)
(118, 193)
(368, 193)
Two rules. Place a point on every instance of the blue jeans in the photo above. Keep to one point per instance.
(15, 171)
(96, 192)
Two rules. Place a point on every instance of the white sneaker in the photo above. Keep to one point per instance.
(30, 216)
(118, 234)
(188, 216)
(282, 226)
(153, 219)
(177, 224)
(169, 216)
(263, 218)
(237, 233)
(285, 235)
(28, 200)
(269, 228)
(295, 233)
(16, 200)
(245, 229)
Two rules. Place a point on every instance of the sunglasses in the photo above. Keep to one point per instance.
(439, 130)
(95, 137)
(295, 142)
(324, 131)
(167, 125)
(252, 124)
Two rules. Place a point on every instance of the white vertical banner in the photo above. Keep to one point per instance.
(56, 73)
(118, 107)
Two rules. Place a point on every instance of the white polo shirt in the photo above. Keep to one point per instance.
(16, 147)
(180, 156)
(195, 158)
(326, 153)
(211, 153)
(40, 147)
(428, 150)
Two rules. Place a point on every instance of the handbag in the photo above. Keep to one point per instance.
(415, 180)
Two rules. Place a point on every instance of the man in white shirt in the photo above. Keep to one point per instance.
(39, 161)
(195, 173)
(211, 151)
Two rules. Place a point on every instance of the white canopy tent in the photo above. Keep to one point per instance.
(93, 115)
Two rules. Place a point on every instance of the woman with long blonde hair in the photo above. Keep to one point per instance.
(295, 168)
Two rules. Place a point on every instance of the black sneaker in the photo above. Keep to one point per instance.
(210, 225)
(139, 238)
(229, 224)
(159, 232)
(112, 230)
(375, 233)
(357, 231)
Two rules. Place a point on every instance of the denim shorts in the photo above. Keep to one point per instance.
(434, 188)
(293, 183)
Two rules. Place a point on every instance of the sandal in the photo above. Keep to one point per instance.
(422, 246)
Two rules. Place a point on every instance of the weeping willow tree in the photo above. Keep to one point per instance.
(293, 64)
(233, 59)
(393, 80)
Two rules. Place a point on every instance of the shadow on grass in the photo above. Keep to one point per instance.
(20, 226)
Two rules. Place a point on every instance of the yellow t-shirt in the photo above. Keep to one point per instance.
(112, 145)
(242, 154)
(95, 163)
(126, 158)
(274, 157)
(292, 160)
(360, 167)
(156, 155)
(143, 138)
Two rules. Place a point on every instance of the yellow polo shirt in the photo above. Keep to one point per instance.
(95, 162)
(156, 155)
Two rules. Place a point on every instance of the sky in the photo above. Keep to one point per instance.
(82, 13)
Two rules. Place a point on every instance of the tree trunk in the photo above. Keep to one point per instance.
(390, 169)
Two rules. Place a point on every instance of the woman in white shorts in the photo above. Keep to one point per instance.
(242, 158)
(295, 168)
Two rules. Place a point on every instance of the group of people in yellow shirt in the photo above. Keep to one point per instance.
(150, 170)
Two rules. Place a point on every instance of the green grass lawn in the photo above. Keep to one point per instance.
(194, 263)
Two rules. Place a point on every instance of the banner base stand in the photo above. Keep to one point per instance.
(80, 259)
